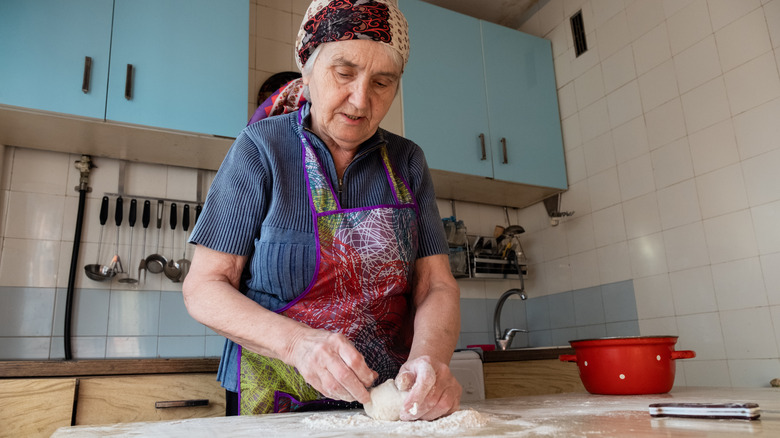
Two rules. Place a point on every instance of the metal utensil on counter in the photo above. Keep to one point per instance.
(172, 270)
(155, 263)
(116, 262)
(184, 264)
(97, 271)
(131, 221)
(145, 222)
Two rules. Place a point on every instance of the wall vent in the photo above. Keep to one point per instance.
(578, 33)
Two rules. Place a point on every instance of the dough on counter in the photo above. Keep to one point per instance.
(386, 401)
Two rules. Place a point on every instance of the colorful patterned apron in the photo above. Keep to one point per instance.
(361, 289)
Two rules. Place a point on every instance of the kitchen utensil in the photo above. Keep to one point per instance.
(131, 221)
(145, 222)
(171, 269)
(629, 365)
(97, 271)
(118, 212)
(155, 263)
(184, 264)
(737, 411)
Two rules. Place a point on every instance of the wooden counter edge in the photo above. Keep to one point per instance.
(105, 367)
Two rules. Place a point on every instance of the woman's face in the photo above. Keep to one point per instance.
(352, 85)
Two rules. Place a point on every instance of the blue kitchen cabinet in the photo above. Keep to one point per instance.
(470, 81)
(43, 50)
(175, 64)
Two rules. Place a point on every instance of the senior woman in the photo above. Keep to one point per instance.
(320, 251)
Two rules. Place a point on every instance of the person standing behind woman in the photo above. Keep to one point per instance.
(320, 255)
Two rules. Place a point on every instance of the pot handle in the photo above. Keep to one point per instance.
(567, 358)
(683, 354)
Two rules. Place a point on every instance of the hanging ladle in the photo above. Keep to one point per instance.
(116, 262)
(155, 263)
(184, 264)
(131, 221)
(172, 270)
(145, 222)
(97, 271)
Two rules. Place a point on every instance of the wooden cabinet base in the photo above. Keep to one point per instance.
(108, 400)
(35, 407)
(533, 377)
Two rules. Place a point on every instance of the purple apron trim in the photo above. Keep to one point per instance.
(285, 400)
(238, 357)
(354, 210)
(304, 141)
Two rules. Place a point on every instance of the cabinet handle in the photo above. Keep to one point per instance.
(482, 142)
(129, 82)
(503, 146)
(181, 403)
(87, 74)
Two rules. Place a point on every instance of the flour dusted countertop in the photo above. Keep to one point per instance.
(559, 415)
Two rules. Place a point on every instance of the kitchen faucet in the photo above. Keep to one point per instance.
(504, 341)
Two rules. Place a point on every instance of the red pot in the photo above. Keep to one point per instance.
(632, 365)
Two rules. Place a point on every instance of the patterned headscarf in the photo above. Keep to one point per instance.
(340, 20)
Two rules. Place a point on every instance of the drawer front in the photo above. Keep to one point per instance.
(35, 407)
(109, 400)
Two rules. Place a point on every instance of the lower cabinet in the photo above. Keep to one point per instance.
(109, 400)
(532, 377)
(35, 407)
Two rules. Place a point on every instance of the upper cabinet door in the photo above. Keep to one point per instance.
(445, 106)
(523, 107)
(43, 46)
(189, 63)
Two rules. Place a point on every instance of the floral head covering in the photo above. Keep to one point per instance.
(341, 20)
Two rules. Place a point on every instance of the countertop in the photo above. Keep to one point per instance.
(559, 415)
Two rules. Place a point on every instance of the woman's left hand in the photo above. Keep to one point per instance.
(433, 390)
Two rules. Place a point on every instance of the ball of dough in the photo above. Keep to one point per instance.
(386, 401)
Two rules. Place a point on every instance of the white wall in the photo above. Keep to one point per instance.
(671, 125)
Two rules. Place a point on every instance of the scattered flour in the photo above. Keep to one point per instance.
(454, 424)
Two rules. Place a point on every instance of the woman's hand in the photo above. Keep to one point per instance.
(433, 390)
(331, 364)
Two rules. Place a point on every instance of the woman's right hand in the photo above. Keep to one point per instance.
(331, 364)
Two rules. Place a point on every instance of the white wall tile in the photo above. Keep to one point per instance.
(697, 64)
(757, 130)
(642, 216)
(274, 56)
(624, 104)
(753, 372)
(604, 10)
(648, 255)
(652, 49)
(584, 269)
(748, 334)
(658, 327)
(550, 15)
(671, 7)
(679, 205)
(721, 191)
(630, 140)
(555, 245)
(665, 124)
(739, 284)
(706, 372)
(557, 275)
(614, 263)
(731, 237)
(560, 37)
(686, 247)
(753, 83)
(693, 291)
(608, 226)
(701, 333)
(653, 297)
(36, 171)
(579, 234)
(594, 120)
(572, 135)
(772, 14)
(604, 189)
(689, 25)
(599, 154)
(618, 69)
(131, 347)
(769, 264)
(672, 163)
(563, 68)
(658, 86)
(30, 263)
(706, 105)
(743, 40)
(714, 147)
(274, 24)
(636, 177)
(589, 87)
(761, 178)
(34, 216)
(134, 313)
(182, 184)
(765, 220)
(723, 12)
(612, 35)
(643, 16)
(567, 100)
